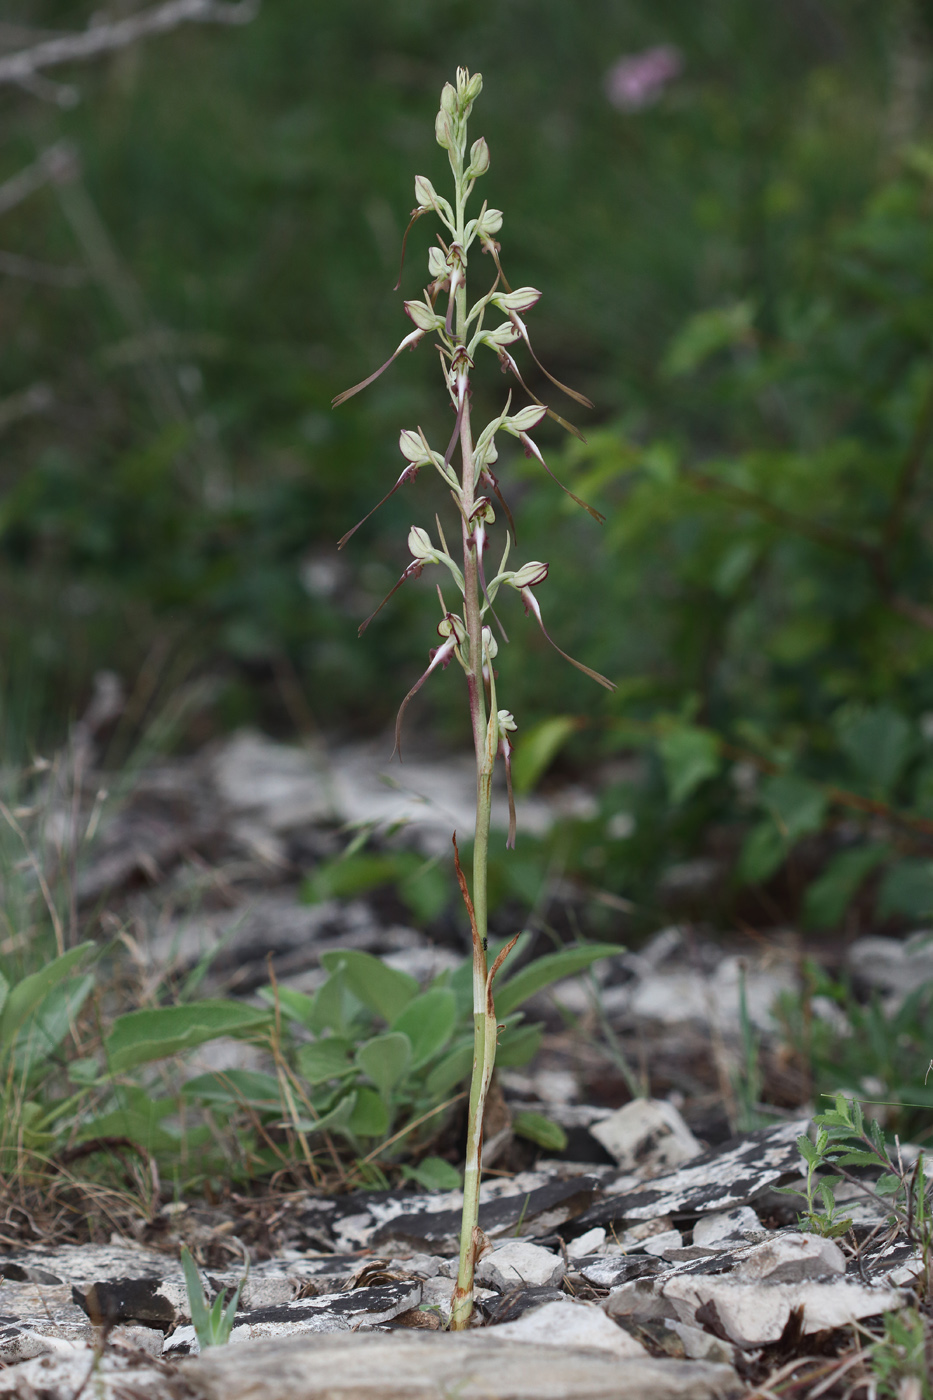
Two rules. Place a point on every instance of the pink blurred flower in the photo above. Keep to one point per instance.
(639, 79)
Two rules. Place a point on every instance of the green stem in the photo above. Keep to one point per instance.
(484, 1025)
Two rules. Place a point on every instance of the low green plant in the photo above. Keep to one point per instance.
(467, 636)
(212, 1324)
(846, 1138)
(901, 1360)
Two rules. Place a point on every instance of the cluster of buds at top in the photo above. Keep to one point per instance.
(461, 332)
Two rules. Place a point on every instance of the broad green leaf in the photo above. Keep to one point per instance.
(236, 1087)
(325, 1059)
(706, 333)
(344, 877)
(878, 742)
(380, 987)
(335, 1006)
(24, 996)
(336, 1121)
(450, 1072)
(385, 1059)
(429, 1021)
(140, 1118)
(142, 1036)
(828, 898)
(296, 1006)
(518, 1045)
(370, 1117)
(551, 968)
(763, 852)
(426, 890)
(907, 888)
(689, 755)
(536, 1128)
(797, 805)
(434, 1174)
(538, 747)
(43, 1032)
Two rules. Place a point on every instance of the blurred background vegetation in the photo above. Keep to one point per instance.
(737, 267)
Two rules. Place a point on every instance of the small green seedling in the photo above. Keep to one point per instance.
(212, 1325)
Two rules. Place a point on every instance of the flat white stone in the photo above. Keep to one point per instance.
(423, 1365)
(647, 1135)
(791, 1258)
(520, 1262)
(726, 1227)
(569, 1324)
(587, 1244)
(755, 1313)
(661, 1245)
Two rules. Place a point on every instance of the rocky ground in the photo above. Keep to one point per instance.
(657, 1257)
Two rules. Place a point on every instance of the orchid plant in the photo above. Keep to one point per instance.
(465, 630)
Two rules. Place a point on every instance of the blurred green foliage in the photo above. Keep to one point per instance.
(739, 275)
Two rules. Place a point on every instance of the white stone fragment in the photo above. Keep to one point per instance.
(791, 1258)
(588, 1243)
(569, 1324)
(661, 1245)
(725, 1227)
(648, 1135)
(755, 1313)
(520, 1262)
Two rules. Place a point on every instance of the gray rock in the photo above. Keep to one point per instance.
(713, 1182)
(428, 1366)
(647, 1135)
(356, 1310)
(791, 1258)
(613, 1270)
(753, 1314)
(520, 1262)
(725, 1228)
(569, 1324)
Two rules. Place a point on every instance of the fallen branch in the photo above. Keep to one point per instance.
(98, 39)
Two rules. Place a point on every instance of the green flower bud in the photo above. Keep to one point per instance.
(479, 159)
(525, 419)
(412, 447)
(528, 576)
(468, 89)
(419, 543)
(501, 335)
(449, 99)
(519, 301)
(490, 645)
(437, 265)
(489, 222)
(422, 315)
(444, 131)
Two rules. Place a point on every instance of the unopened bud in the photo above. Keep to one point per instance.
(500, 335)
(449, 99)
(437, 264)
(422, 315)
(490, 645)
(525, 419)
(489, 222)
(411, 446)
(521, 300)
(468, 89)
(444, 130)
(420, 546)
(528, 576)
(479, 159)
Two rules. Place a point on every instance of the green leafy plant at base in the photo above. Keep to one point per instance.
(467, 637)
(844, 1139)
(212, 1324)
(904, 1354)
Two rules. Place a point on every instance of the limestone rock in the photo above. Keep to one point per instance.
(520, 1263)
(726, 1228)
(568, 1324)
(647, 1135)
